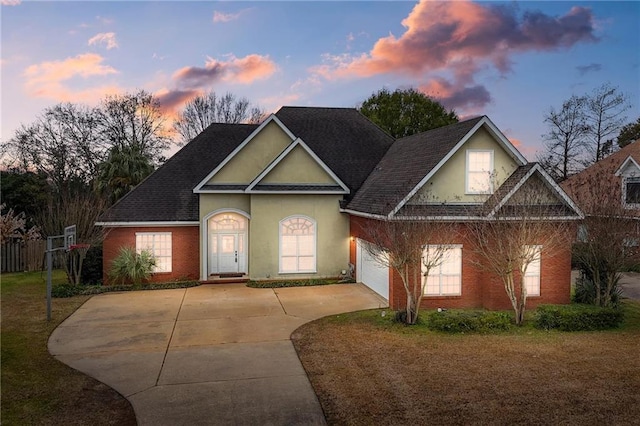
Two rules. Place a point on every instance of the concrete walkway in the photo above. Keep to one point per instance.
(207, 355)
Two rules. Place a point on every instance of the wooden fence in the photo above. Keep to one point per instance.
(26, 256)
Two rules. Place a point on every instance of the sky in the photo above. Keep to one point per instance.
(511, 61)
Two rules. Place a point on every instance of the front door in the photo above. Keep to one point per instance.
(227, 243)
(228, 253)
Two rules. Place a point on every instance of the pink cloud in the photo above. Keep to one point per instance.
(227, 17)
(224, 17)
(171, 100)
(47, 78)
(461, 38)
(442, 35)
(108, 39)
(10, 2)
(457, 95)
(235, 70)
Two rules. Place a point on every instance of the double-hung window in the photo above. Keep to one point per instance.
(297, 245)
(631, 192)
(445, 274)
(532, 272)
(479, 169)
(159, 244)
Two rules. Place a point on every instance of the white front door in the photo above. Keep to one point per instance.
(228, 253)
(227, 244)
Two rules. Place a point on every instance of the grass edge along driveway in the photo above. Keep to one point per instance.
(36, 388)
(366, 369)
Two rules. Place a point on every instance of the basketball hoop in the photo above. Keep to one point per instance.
(78, 247)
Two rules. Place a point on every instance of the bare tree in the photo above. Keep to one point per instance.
(604, 115)
(608, 237)
(207, 109)
(403, 246)
(564, 146)
(80, 208)
(62, 143)
(508, 241)
(134, 121)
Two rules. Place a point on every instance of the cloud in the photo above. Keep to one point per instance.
(47, 79)
(224, 17)
(461, 38)
(584, 69)
(443, 35)
(10, 2)
(227, 17)
(171, 100)
(109, 39)
(236, 70)
(456, 95)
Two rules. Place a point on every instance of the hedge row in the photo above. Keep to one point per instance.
(460, 321)
(69, 290)
(577, 317)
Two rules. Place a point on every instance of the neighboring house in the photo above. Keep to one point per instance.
(611, 183)
(289, 199)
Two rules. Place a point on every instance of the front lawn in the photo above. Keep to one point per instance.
(37, 389)
(366, 369)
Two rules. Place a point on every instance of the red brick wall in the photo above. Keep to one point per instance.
(480, 289)
(185, 247)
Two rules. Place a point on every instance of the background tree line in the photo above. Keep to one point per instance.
(583, 131)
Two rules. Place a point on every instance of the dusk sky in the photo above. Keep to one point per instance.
(508, 60)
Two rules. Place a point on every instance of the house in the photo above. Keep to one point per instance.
(613, 183)
(289, 198)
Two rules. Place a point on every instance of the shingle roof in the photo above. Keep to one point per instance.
(348, 143)
(167, 194)
(407, 161)
(600, 177)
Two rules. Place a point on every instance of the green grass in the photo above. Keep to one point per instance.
(36, 388)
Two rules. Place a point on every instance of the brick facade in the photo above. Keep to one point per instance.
(185, 247)
(481, 289)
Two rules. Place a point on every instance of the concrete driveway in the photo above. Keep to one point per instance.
(207, 355)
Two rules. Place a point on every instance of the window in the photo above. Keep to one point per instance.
(479, 168)
(532, 273)
(297, 245)
(159, 244)
(632, 191)
(445, 278)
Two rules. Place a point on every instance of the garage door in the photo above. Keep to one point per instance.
(370, 272)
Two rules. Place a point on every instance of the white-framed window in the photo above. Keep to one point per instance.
(159, 244)
(445, 278)
(297, 245)
(532, 273)
(478, 171)
(631, 192)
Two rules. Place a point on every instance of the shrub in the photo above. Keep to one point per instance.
(131, 266)
(459, 321)
(69, 290)
(586, 290)
(92, 266)
(577, 317)
(296, 283)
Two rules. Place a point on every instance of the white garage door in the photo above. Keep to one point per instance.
(370, 272)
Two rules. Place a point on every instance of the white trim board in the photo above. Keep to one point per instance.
(147, 224)
(271, 118)
(497, 134)
(283, 155)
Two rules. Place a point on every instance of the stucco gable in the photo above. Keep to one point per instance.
(298, 168)
(251, 157)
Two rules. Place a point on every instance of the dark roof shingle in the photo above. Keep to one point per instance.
(407, 161)
(167, 194)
